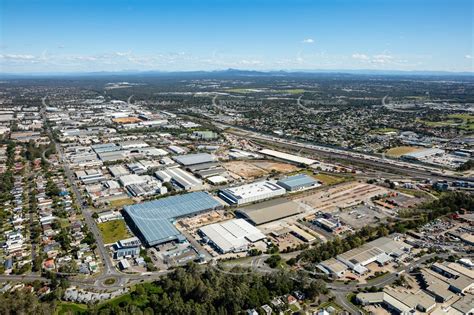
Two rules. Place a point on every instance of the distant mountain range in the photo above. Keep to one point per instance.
(235, 73)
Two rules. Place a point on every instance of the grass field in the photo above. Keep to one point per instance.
(256, 90)
(118, 203)
(70, 308)
(113, 231)
(290, 91)
(399, 151)
(383, 130)
(328, 179)
(460, 121)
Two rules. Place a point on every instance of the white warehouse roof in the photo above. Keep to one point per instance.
(287, 157)
(233, 235)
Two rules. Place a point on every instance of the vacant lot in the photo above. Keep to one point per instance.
(114, 231)
(118, 203)
(328, 179)
(276, 166)
(255, 169)
(399, 151)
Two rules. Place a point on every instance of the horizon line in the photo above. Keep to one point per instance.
(268, 71)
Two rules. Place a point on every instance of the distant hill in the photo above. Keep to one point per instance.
(237, 73)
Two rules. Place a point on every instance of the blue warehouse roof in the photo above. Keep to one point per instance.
(298, 180)
(154, 219)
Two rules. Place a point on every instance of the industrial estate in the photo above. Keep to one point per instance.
(250, 157)
(105, 194)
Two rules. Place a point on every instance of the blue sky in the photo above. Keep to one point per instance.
(83, 35)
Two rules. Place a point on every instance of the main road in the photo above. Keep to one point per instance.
(109, 269)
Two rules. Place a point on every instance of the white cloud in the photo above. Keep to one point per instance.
(17, 57)
(308, 41)
(468, 56)
(123, 54)
(246, 62)
(382, 59)
(84, 58)
(360, 56)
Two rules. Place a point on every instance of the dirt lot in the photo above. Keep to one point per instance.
(360, 216)
(342, 196)
(255, 169)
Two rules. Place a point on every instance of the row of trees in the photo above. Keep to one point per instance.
(193, 291)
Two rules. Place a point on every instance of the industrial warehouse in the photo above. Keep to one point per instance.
(193, 159)
(231, 236)
(251, 192)
(269, 211)
(287, 157)
(180, 178)
(379, 250)
(298, 182)
(153, 220)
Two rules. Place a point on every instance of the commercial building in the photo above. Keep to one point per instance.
(176, 149)
(153, 220)
(231, 236)
(298, 182)
(180, 178)
(269, 211)
(205, 135)
(329, 225)
(90, 176)
(131, 179)
(105, 147)
(464, 305)
(251, 192)
(380, 251)
(129, 247)
(332, 267)
(193, 159)
(118, 170)
(399, 301)
(458, 278)
(301, 234)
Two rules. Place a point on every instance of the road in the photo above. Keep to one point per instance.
(105, 257)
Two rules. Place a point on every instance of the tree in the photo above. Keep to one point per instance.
(273, 261)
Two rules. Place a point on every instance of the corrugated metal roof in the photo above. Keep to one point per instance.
(297, 180)
(191, 159)
(154, 219)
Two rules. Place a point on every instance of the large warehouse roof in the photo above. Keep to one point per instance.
(232, 235)
(253, 190)
(153, 219)
(296, 181)
(181, 177)
(191, 159)
(269, 211)
(287, 157)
